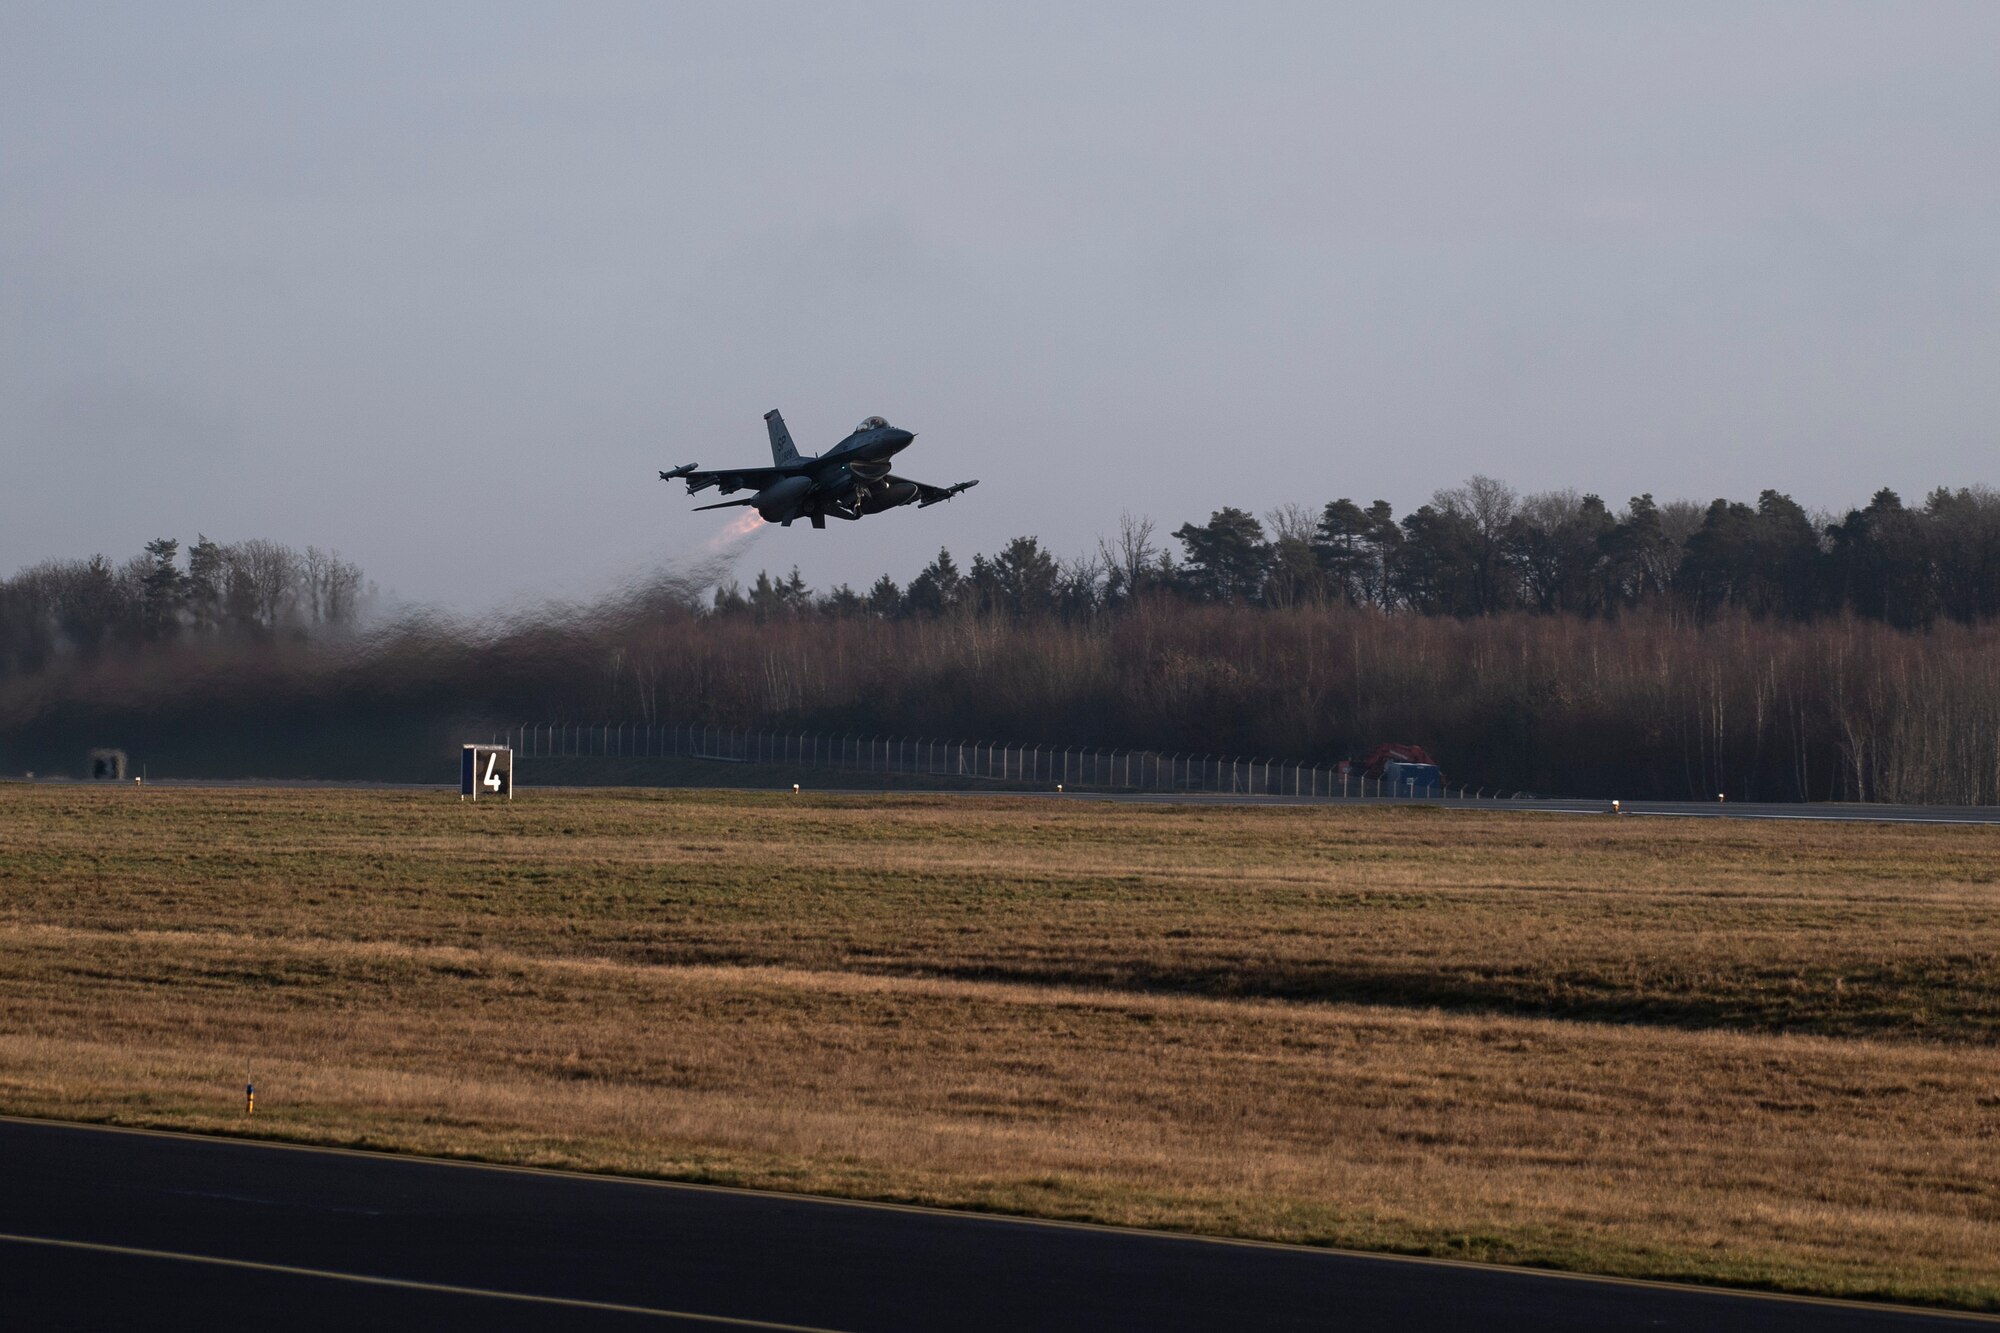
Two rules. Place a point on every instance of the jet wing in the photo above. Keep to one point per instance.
(729, 479)
(930, 495)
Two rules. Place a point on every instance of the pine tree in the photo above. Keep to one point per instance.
(163, 590)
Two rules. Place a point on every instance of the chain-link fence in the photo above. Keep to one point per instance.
(997, 762)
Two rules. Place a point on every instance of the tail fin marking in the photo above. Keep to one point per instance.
(783, 454)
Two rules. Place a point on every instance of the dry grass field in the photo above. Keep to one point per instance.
(1749, 1052)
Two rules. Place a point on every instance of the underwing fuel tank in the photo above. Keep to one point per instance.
(778, 499)
(888, 497)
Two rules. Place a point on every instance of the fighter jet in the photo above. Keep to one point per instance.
(847, 481)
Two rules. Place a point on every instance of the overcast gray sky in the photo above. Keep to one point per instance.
(442, 286)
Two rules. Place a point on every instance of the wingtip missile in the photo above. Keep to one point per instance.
(680, 471)
(946, 493)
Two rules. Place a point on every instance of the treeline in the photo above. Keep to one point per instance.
(255, 590)
(1751, 650)
(1481, 549)
(1647, 705)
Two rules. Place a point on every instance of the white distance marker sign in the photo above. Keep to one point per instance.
(486, 770)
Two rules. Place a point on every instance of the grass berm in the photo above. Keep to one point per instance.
(1755, 1053)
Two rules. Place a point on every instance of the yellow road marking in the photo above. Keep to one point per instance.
(411, 1284)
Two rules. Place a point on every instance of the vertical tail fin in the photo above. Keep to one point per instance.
(782, 452)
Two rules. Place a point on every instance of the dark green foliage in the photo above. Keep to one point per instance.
(1227, 557)
(938, 590)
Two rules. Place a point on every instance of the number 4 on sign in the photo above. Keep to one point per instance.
(492, 779)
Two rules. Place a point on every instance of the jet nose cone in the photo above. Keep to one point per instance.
(901, 438)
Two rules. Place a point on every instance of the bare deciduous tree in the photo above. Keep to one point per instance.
(265, 582)
(1132, 561)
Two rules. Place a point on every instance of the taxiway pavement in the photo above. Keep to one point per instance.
(113, 1229)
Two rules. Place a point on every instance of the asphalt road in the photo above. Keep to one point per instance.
(103, 1229)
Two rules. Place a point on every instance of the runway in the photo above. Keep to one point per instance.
(105, 1228)
(1834, 812)
(1824, 812)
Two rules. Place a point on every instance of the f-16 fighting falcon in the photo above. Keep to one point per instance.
(847, 481)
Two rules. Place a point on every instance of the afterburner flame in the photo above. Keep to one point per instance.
(739, 527)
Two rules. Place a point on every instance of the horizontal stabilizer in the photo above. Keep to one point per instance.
(726, 504)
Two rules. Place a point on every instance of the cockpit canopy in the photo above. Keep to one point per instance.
(873, 423)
